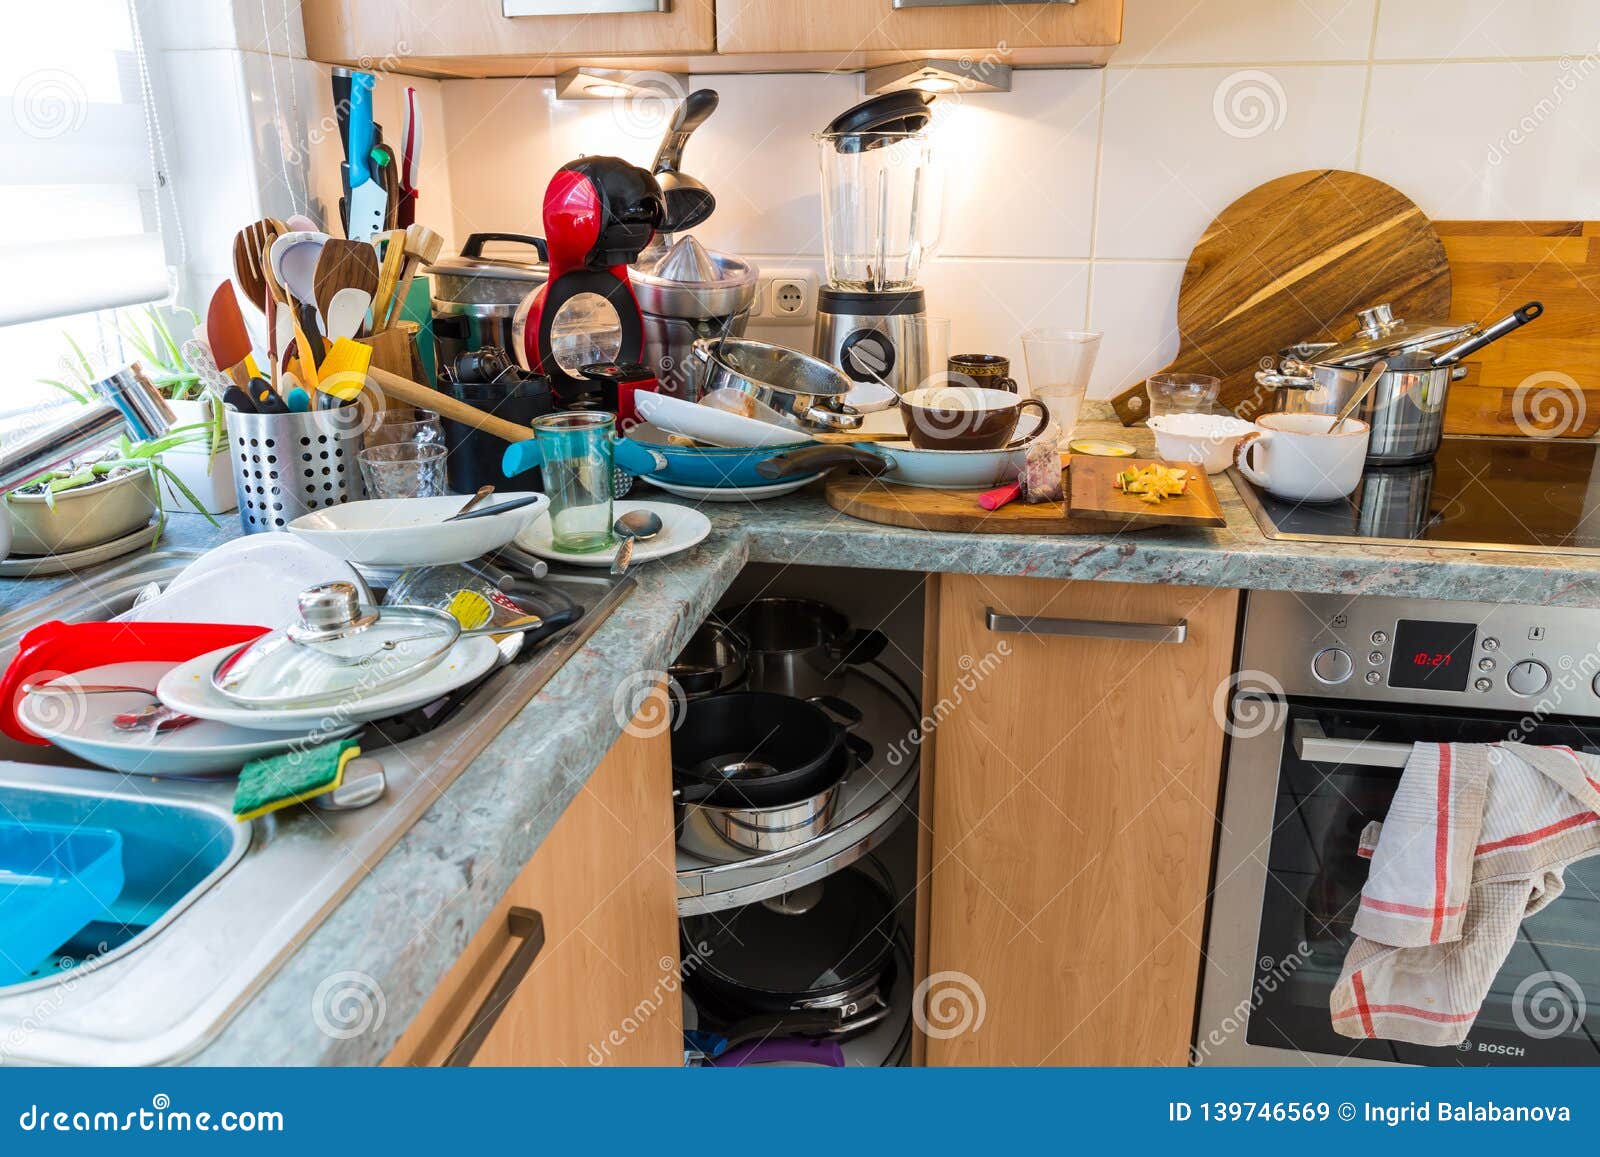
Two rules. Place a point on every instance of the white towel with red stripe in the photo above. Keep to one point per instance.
(1476, 839)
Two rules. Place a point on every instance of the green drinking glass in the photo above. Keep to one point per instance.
(575, 454)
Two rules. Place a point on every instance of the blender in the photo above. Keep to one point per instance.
(881, 202)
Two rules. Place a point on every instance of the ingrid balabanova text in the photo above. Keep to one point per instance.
(1452, 1112)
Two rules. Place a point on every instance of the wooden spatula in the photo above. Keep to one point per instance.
(344, 265)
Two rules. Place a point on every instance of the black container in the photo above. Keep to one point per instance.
(474, 457)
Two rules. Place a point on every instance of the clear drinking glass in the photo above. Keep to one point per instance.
(575, 456)
(1060, 362)
(929, 341)
(403, 470)
(1182, 393)
(424, 430)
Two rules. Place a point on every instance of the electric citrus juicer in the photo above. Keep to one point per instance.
(881, 204)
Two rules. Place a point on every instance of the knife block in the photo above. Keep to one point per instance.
(395, 349)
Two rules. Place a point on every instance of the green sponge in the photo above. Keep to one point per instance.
(276, 781)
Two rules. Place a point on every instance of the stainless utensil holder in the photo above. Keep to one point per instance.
(286, 465)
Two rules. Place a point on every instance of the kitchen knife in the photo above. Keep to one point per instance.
(341, 112)
(410, 161)
(368, 202)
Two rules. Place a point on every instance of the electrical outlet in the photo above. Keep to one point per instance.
(786, 297)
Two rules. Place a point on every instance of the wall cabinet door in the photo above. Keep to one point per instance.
(1027, 32)
(1074, 793)
(475, 38)
(603, 988)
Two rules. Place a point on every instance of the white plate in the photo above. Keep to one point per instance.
(82, 725)
(187, 688)
(711, 425)
(412, 531)
(681, 528)
(255, 580)
(731, 493)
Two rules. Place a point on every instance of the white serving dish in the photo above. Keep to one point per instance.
(187, 688)
(412, 531)
(203, 748)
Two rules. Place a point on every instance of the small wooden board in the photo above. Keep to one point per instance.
(954, 511)
(1093, 494)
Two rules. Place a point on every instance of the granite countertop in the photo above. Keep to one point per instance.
(409, 918)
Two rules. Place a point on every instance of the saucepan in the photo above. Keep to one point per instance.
(1406, 407)
(796, 386)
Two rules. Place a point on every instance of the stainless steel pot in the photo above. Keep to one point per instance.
(801, 388)
(1406, 407)
(727, 834)
(800, 647)
(475, 298)
(712, 661)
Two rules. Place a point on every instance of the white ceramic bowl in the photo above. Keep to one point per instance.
(412, 531)
(1208, 440)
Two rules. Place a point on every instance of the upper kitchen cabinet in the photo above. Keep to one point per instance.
(869, 32)
(473, 38)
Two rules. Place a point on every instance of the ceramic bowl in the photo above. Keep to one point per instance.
(1208, 440)
(412, 531)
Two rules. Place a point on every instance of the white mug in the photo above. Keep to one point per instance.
(1293, 456)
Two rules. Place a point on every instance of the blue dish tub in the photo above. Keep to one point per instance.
(55, 879)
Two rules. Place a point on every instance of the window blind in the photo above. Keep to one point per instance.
(79, 215)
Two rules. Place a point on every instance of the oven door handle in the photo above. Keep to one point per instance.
(1313, 747)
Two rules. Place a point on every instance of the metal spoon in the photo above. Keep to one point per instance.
(1377, 371)
(632, 527)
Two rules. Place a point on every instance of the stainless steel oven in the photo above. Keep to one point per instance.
(1330, 695)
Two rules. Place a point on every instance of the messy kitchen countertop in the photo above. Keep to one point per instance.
(408, 920)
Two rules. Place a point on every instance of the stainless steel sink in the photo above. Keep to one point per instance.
(212, 907)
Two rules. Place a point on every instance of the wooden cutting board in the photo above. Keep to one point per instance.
(953, 511)
(1092, 493)
(1543, 380)
(1293, 260)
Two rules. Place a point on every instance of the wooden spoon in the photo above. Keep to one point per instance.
(394, 252)
(344, 265)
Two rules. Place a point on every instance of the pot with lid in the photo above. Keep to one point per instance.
(1406, 408)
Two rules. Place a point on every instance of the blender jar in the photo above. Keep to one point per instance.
(881, 194)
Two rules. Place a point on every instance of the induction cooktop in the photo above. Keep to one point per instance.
(1511, 494)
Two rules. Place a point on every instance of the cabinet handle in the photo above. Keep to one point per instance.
(528, 926)
(583, 7)
(1088, 628)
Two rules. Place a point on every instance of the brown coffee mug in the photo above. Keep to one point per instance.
(988, 371)
(967, 418)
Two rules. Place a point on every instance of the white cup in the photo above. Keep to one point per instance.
(1294, 456)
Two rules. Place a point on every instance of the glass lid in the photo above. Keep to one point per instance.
(1381, 333)
(340, 650)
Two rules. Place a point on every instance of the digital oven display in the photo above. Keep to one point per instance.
(1432, 656)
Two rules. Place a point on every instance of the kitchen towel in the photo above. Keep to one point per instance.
(1476, 839)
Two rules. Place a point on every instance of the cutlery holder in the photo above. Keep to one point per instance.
(286, 465)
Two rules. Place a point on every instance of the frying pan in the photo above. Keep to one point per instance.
(713, 467)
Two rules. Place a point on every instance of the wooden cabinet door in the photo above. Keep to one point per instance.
(878, 27)
(1075, 786)
(474, 37)
(603, 989)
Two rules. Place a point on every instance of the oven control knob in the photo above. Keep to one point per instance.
(1528, 677)
(1332, 665)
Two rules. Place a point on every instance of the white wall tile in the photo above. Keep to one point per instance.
(1135, 304)
(1504, 140)
(1243, 31)
(1020, 167)
(1178, 145)
(1443, 29)
(991, 303)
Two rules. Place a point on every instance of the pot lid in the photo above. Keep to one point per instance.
(1380, 333)
(829, 941)
(472, 262)
(339, 649)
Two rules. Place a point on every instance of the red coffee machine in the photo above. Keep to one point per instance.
(599, 214)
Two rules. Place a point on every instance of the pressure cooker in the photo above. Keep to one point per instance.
(1406, 408)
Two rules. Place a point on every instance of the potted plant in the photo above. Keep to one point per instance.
(96, 499)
